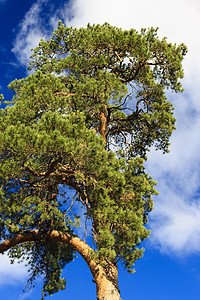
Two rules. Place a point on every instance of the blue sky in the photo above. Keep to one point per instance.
(170, 268)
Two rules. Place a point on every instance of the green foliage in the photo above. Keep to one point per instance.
(46, 260)
(85, 120)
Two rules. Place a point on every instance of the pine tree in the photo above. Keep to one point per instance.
(84, 120)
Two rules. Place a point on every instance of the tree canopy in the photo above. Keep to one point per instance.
(84, 119)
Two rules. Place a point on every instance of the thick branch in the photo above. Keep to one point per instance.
(106, 279)
(103, 125)
(32, 236)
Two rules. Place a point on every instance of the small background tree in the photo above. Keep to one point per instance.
(84, 120)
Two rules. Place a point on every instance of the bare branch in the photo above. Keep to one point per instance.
(64, 94)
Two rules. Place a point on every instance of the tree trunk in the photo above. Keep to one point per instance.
(103, 125)
(107, 284)
(106, 278)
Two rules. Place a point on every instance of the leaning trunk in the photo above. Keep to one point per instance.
(106, 278)
(107, 283)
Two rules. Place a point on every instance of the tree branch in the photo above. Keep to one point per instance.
(55, 236)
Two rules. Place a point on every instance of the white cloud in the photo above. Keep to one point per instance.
(175, 223)
(11, 274)
(31, 30)
(175, 220)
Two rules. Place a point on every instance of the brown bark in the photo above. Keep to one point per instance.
(106, 279)
(103, 124)
(107, 283)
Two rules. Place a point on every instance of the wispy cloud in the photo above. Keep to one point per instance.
(11, 274)
(176, 224)
(31, 30)
(25, 295)
(175, 220)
